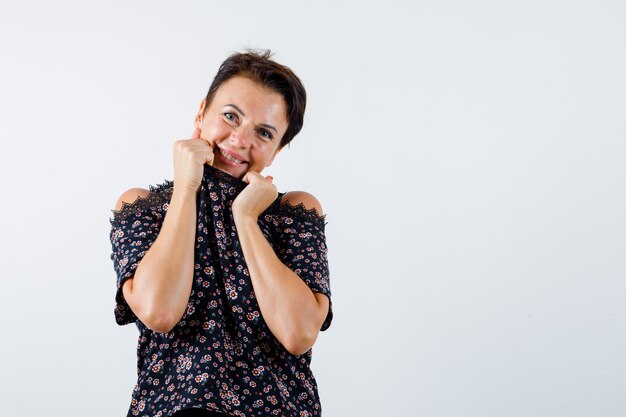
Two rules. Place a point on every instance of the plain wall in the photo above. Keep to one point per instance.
(469, 156)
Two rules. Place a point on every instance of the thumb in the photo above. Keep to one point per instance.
(270, 179)
(196, 133)
(247, 178)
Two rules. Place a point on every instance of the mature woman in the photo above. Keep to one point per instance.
(225, 278)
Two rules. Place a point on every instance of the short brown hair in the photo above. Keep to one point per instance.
(260, 68)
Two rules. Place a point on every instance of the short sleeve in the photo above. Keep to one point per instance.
(301, 246)
(133, 230)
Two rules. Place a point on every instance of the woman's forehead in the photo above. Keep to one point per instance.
(251, 97)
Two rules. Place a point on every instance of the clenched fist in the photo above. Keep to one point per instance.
(190, 155)
(256, 197)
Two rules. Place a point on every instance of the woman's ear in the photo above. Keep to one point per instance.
(197, 123)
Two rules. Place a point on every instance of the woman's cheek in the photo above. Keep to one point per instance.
(216, 134)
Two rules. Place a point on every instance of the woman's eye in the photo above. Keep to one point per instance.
(265, 134)
(231, 116)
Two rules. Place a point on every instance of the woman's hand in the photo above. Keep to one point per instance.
(190, 155)
(256, 197)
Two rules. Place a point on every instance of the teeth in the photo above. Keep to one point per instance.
(230, 158)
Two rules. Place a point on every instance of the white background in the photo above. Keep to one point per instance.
(469, 155)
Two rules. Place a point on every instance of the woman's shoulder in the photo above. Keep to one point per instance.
(300, 205)
(154, 199)
(131, 196)
(303, 199)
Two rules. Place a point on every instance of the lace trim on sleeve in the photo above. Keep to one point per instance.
(158, 195)
(285, 208)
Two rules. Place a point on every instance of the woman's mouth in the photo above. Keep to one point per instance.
(230, 157)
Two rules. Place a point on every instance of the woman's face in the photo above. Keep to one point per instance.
(244, 123)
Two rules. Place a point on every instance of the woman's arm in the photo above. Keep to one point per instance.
(159, 290)
(292, 311)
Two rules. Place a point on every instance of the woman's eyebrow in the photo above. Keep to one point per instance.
(244, 115)
(238, 109)
(269, 127)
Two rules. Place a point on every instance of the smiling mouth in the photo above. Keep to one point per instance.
(230, 158)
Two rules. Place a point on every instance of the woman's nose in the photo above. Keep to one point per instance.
(241, 137)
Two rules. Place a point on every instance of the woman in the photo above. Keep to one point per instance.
(225, 278)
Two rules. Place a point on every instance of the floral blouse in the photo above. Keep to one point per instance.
(221, 356)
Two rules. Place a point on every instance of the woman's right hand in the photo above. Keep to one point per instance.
(190, 155)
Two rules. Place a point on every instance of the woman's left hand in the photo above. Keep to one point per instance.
(256, 197)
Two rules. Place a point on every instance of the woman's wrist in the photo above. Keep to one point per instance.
(183, 194)
(243, 219)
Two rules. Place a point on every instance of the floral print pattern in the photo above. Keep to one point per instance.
(221, 356)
